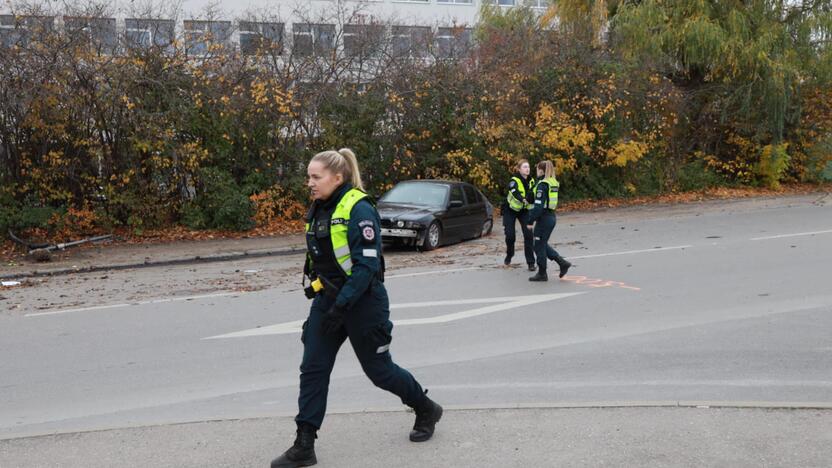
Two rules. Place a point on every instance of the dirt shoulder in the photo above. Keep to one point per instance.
(181, 246)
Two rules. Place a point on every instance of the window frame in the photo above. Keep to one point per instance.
(257, 29)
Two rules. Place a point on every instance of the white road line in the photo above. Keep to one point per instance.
(433, 272)
(638, 383)
(799, 234)
(483, 300)
(287, 328)
(151, 301)
(628, 252)
(483, 310)
(68, 311)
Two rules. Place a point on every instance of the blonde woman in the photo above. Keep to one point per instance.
(544, 220)
(345, 267)
(516, 208)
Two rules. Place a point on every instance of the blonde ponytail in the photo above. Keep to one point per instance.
(352, 161)
(548, 169)
(342, 162)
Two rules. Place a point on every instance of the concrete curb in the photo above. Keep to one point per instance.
(158, 263)
(596, 405)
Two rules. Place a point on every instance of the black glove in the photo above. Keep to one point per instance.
(333, 320)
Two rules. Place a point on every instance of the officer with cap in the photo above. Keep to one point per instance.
(345, 266)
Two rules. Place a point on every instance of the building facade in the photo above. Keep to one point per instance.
(309, 27)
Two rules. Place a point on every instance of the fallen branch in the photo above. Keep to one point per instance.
(42, 252)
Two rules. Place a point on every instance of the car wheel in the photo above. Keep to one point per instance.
(486, 227)
(433, 236)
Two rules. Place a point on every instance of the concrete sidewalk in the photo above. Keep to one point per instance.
(106, 256)
(534, 437)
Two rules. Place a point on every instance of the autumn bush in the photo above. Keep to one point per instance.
(627, 98)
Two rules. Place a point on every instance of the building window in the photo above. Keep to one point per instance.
(363, 40)
(309, 39)
(200, 35)
(261, 36)
(100, 33)
(144, 33)
(536, 3)
(410, 41)
(459, 2)
(12, 32)
(453, 42)
(500, 2)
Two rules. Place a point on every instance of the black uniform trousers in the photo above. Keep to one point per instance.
(510, 218)
(542, 232)
(368, 327)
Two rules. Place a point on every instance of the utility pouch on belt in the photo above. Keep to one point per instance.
(321, 285)
(314, 288)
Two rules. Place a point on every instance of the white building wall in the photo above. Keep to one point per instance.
(408, 12)
(433, 13)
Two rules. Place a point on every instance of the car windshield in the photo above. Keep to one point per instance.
(423, 194)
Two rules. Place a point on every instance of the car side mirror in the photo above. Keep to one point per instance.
(455, 204)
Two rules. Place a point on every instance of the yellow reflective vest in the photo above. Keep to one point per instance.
(338, 227)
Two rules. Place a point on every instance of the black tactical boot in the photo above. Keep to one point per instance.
(428, 414)
(563, 264)
(302, 453)
(532, 267)
(507, 260)
(540, 276)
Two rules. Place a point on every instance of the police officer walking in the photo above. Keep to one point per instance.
(516, 207)
(544, 220)
(345, 266)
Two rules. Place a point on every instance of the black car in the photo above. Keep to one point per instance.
(429, 213)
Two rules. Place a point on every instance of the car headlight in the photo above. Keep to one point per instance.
(400, 224)
(412, 225)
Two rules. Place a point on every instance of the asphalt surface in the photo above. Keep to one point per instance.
(724, 304)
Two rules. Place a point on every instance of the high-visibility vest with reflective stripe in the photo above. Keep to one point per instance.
(338, 227)
(513, 202)
(554, 186)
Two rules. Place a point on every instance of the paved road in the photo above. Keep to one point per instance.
(723, 304)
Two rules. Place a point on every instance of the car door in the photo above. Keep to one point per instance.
(474, 212)
(455, 219)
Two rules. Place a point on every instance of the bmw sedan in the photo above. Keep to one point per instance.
(430, 213)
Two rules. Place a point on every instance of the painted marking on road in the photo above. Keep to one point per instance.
(483, 300)
(151, 301)
(629, 252)
(506, 304)
(798, 234)
(433, 272)
(598, 283)
(639, 383)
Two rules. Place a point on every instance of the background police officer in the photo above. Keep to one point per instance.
(516, 207)
(345, 257)
(544, 219)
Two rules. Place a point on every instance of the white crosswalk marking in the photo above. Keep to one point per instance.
(504, 303)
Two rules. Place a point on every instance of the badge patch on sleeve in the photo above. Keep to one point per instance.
(369, 233)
